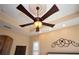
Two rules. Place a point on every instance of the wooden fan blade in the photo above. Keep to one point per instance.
(47, 24)
(50, 12)
(37, 29)
(26, 24)
(22, 9)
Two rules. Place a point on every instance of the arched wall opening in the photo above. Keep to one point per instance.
(5, 44)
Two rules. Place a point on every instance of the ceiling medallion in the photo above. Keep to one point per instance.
(32, 9)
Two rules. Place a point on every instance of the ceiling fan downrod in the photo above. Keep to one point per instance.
(37, 8)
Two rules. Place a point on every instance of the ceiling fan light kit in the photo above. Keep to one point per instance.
(37, 24)
(38, 21)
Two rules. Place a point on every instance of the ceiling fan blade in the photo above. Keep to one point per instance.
(37, 29)
(22, 9)
(50, 12)
(47, 24)
(26, 24)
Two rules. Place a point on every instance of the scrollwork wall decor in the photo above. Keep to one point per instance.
(64, 43)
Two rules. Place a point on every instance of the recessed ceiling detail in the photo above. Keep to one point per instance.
(68, 14)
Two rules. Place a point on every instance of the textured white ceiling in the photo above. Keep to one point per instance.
(12, 17)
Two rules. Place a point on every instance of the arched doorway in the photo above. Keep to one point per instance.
(5, 44)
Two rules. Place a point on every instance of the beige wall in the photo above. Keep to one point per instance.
(71, 33)
(45, 39)
(18, 39)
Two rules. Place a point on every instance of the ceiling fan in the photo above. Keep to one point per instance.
(38, 21)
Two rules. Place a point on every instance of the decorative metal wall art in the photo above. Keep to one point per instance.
(64, 43)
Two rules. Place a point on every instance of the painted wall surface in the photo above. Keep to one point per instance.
(18, 39)
(45, 39)
(70, 33)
